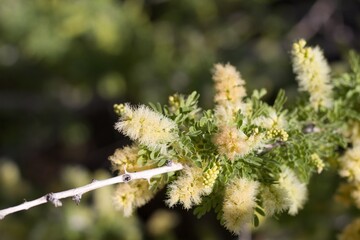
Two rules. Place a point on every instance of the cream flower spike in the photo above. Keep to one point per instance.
(147, 126)
(190, 187)
(230, 91)
(313, 74)
(239, 204)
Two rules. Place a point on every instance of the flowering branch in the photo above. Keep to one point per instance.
(76, 193)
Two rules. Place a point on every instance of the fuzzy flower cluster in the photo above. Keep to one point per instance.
(229, 92)
(229, 87)
(129, 196)
(313, 74)
(190, 187)
(234, 143)
(271, 121)
(288, 194)
(275, 199)
(126, 158)
(350, 165)
(146, 126)
(231, 142)
(350, 169)
(317, 162)
(239, 203)
(296, 190)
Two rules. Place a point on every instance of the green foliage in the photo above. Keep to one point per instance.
(296, 137)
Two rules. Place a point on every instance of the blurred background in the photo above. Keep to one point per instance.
(64, 63)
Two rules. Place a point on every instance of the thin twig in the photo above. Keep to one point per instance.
(76, 193)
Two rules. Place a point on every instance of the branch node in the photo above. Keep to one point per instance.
(93, 180)
(269, 147)
(126, 178)
(50, 198)
(310, 128)
(77, 199)
(169, 163)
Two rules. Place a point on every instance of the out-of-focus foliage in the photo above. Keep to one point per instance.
(64, 63)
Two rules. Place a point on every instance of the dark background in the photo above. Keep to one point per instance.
(63, 64)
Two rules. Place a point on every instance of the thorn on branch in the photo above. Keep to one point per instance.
(126, 178)
(50, 198)
(77, 199)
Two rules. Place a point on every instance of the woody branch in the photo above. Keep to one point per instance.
(76, 193)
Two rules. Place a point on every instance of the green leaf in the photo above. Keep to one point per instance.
(192, 99)
(258, 94)
(142, 152)
(280, 101)
(260, 211)
(256, 220)
(156, 107)
(161, 162)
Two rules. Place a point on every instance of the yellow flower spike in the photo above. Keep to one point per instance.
(174, 101)
(210, 176)
(313, 74)
(119, 109)
(317, 162)
(280, 134)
